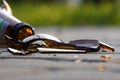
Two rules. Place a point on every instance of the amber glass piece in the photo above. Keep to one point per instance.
(106, 57)
(106, 47)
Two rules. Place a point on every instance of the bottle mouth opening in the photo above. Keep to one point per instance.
(21, 31)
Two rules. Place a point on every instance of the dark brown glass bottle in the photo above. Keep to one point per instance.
(12, 27)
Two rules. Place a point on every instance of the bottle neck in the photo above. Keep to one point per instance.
(8, 17)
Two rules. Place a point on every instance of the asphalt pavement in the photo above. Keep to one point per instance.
(89, 66)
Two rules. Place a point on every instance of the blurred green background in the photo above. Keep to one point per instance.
(67, 12)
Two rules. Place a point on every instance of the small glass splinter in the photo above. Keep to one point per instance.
(106, 47)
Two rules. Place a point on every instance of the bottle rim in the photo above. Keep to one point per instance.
(18, 27)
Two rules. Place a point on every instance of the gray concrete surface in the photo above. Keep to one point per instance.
(65, 66)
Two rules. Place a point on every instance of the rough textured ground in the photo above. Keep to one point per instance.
(62, 66)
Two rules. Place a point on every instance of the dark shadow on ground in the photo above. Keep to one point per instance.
(53, 59)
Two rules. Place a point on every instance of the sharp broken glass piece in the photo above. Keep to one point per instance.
(42, 37)
(53, 50)
(20, 52)
(92, 45)
(17, 52)
(45, 43)
(106, 47)
(53, 42)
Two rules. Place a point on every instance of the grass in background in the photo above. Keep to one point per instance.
(64, 15)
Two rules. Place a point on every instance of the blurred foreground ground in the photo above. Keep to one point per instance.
(65, 67)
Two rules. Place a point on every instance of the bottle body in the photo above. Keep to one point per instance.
(12, 27)
(3, 25)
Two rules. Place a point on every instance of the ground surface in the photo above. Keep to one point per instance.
(62, 66)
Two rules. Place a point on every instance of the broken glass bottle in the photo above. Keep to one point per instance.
(11, 26)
